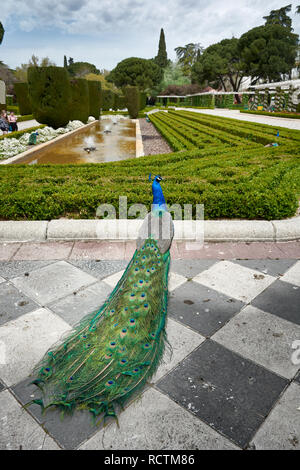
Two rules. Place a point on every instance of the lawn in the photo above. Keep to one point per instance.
(221, 163)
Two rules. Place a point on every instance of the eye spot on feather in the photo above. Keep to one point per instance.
(108, 356)
(146, 306)
(147, 346)
(109, 383)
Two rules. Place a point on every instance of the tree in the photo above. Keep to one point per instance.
(80, 69)
(187, 56)
(222, 63)
(280, 17)
(134, 71)
(172, 75)
(298, 9)
(162, 57)
(268, 52)
(21, 72)
(65, 62)
(2, 30)
(105, 85)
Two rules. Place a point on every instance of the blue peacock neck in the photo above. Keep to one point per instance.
(159, 202)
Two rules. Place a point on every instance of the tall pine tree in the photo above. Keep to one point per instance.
(162, 57)
(65, 62)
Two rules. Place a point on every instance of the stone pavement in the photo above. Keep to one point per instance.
(235, 114)
(233, 380)
(27, 124)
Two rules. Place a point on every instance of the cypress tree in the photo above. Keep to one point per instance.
(162, 57)
(65, 62)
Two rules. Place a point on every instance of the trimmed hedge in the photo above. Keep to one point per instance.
(80, 103)
(251, 183)
(28, 117)
(15, 109)
(107, 100)
(226, 168)
(132, 99)
(119, 102)
(143, 100)
(23, 100)
(95, 98)
(50, 95)
(280, 115)
(17, 134)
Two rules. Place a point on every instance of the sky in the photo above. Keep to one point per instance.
(104, 32)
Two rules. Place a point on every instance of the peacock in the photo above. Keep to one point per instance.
(113, 352)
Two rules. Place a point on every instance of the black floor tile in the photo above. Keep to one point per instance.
(281, 299)
(230, 393)
(202, 308)
(13, 303)
(70, 431)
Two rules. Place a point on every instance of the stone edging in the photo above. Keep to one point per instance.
(35, 149)
(139, 140)
(90, 229)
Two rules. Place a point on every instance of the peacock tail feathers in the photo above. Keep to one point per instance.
(113, 352)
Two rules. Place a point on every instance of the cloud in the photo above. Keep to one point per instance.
(114, 30)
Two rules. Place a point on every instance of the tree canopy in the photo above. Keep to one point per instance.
(144, 73)
(80, 69)
(21, 72)
(280, 17)
(187, 56)
(268, 51)
(221, 63)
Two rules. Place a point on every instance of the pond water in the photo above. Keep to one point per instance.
(118, 144)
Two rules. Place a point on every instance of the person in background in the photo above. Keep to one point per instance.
(4, 125)
(12, 119)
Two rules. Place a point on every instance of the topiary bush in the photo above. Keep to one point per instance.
(80, 103)
(94, 98)
(143, 100)
(132, 99)
(119, 101)
(50, 95)
(23, 100)
(107, 100)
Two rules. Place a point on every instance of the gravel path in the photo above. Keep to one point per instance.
(153, 142)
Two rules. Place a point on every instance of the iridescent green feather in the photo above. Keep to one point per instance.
(113, 352)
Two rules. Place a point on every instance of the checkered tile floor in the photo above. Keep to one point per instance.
(232, 381)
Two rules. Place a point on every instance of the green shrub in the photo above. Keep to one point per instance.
(280, 115)
(119, 101)
(132, 97)
(80, 105)
(107, 100)
(15, 109)
(143, 100)
(17, 134)
(27, 117)
(94, 98)
(23, 100)
(50, 95)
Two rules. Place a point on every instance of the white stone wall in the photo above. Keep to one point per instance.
(2, 92)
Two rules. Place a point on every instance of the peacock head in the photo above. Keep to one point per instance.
(158, 178)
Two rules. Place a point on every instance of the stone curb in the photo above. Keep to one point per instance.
(30, 152)
(213, 230)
